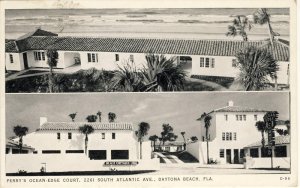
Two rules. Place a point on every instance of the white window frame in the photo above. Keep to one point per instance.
(255, 117)
(201, 61)
(93, 57)
(39, 55)
(212, 64)
(131, 58)
(11, 58)
(234, 63)
(207, 62)
(117, 57)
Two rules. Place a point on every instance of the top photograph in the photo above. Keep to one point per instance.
(147, 50)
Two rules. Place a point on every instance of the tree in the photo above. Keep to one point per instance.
(167, 133)
(256, 65)
(153, 138)
(261, 126)
(184, 146)
(162, 74)
(91, 118)
(239, 26)
(261, 16)
(288, 126)
(194, 138)
(206, 118)
(52, 57)
(86, 130)
(111, 117)
(20, 132)
(127, 78)
(72, 116)
(99, 115)
(142, 131)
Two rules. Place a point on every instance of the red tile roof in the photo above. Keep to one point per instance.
(238, 109)
(139, 45)
(75, 126)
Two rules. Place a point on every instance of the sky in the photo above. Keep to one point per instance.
(180, 110)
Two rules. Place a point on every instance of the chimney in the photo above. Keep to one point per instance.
(43, 120)
(230, 103)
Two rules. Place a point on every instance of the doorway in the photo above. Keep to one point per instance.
(228, 156)
(236, 156)
(25, 60)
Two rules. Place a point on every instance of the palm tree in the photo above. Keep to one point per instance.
(86, 130)
(256, 65)
(99, 115)
(162, 74)
(111, 117)
(262, 17)
(127, 78)
(261, 126)
(153, 138)
(20, 132)
(91, 118)
(207, 118)
(288, 126)
(52, 57)
(239, 26)
(142, 131)
(184, 146)
(72, 116)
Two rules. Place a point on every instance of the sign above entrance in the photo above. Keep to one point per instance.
(121, 163)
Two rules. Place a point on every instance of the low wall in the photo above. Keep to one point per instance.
(195, 150)
(71, 163)
(283, 162)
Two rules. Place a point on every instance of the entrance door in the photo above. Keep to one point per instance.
(236, 156)
(25, 60)
(228, 156)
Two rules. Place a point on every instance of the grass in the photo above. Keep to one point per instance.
(223, 81)
(34, 72)
(195, 86)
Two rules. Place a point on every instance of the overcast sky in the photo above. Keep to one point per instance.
(180, 110)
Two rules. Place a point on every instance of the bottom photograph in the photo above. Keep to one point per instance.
(148, 133)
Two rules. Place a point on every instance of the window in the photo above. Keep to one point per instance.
(280, 151)
(230, 136)
(223, 136)
(242, 153)
(201, 61)
(69, 135)
(234, 136)
(35, 152)
(265, 152)
(92, 57)
(97, 154)
(38, 56)
(203, 138)
(7, 150)
(206, 62)
(50, 151)
(221, 153)
(244, 117)
(58, 136)
(234, 63)
(241, 117)
(212, 62)
(254, 152)
(226, 117)
(288, 69)
(227, 136)
(255, 117)
(119, 154)
(74, 151)
(103, 135)
(117, 57)
(237, 117)
(131, 58)
(113, 135)
(11, 58)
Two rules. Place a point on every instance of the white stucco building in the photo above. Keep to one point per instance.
(198, 57)
(108, 145)
(232, 129)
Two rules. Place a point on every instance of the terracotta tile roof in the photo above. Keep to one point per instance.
(37, 32)
(238, 109)
(139, 45)
(279, 140)
(11, 46)
(13, 144)
(75, 126)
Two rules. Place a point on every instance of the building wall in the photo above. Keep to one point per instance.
(196, 149)
(246, 133)
(282, 73)
(47, 140)
(17, 64)
(222, 66)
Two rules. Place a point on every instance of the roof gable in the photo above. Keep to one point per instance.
(279, 140)
(37, 32)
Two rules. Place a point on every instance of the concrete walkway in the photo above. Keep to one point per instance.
(169, 159)
(213, 85)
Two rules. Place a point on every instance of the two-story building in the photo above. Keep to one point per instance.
(232, 128)
(110, 146)
(197, 57)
